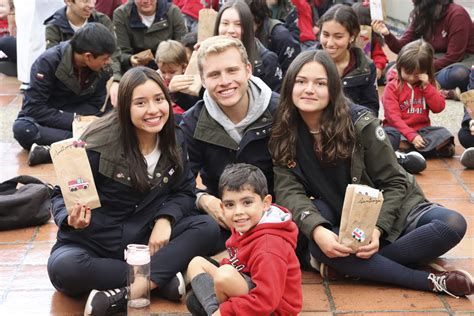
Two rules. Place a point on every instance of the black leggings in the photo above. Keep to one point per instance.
(437, 231)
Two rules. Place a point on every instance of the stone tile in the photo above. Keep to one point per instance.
(456, 263)
(454, 163)
(436, 191)
(463, 304)
(6, 274)
(315, 298)
(159, 305)
(463, 206)
(467, 176)
(38, 254)
(12, 253)
(6, 99)
(303, 313)
(64, 305)
(439, 177)
(17, 235)
(434, 164)
(47, 232)
(464, 249)
(32, 277)
(430, 313)
(311, 277)
(376, 297)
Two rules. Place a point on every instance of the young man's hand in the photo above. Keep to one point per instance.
(327, 242)
(180, 82)
(419, 142)
(212, 206)
(80, 216)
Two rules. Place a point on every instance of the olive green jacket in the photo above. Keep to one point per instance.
(373, 163)
(133, 36)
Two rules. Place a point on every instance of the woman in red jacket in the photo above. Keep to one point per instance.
(448, 28)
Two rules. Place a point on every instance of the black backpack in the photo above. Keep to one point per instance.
(28, 205)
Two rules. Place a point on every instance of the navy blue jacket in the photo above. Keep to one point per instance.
(55, 94)
(211, 149)
(126, 216)
(268, 68)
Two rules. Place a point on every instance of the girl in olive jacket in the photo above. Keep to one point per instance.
(320, 143)
(146, 190)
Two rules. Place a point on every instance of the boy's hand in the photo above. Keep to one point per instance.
(380, 28)
(160, 236)
(367, 251)
(180, 83)
(80, 216)
(212, 206)
(424, 79)
(419, 142)
(327, 241)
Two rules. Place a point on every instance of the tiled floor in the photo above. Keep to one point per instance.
(25, 288)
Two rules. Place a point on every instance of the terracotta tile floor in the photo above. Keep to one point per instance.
(25, 288)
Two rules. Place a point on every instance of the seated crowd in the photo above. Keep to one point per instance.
(283, 119)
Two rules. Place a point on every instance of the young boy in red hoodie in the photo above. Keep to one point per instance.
(262, 274)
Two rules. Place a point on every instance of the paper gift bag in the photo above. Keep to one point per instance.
(467, 98)
(207, 22)
(192, 70)
(377, 10)
(74, 174)
(145, 56)
(80, 124)
(364, 39)
(360, 212)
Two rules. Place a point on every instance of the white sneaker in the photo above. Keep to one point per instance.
(412, 162)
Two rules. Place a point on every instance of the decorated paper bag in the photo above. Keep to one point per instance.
(80, 124)
(74, 174)
(360, 212)
(192, 70)
(207, 21)
(364, 40)
(377, 10)
(145, 56)
(467, 98)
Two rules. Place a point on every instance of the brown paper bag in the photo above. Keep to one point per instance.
(207, 22)
(80, 124)
(364, 39)
(145, 56)
(192, 70)
(74, 174)
(377, 10)
(360, 212)
(467, 98)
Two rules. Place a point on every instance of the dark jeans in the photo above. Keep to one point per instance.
(436, 232)
(74, 270)
(455, 75)
(27, 131)
(465, 137)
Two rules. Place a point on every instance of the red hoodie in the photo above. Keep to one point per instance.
(267, 254)
(407, 109)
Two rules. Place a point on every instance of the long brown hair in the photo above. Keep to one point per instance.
(416, 56)
(128, 138)
(337, 133)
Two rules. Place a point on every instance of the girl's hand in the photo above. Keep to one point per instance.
(419, 142)
(180, 83)
(160, 236)
(424, 79)
(327, 242)
(80, 216)
(380, 28)
(367, 251)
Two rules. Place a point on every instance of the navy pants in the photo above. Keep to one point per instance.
(74, 269)
(27, 131)
(437, 231)
(452, 76)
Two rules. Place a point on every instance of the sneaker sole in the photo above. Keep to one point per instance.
(182, 285)
(88, 308)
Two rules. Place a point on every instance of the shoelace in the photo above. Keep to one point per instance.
(439, 283)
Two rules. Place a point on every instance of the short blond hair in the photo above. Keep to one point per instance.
(219, 44)
(171, 52)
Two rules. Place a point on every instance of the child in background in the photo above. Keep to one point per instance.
(362, 9)
(408, 97)
(466, 132)
(172, 61)
(262, 275)
(189, 41)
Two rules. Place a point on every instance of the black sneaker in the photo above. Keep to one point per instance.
(447, 151)
(106, 302)
(412, 162)
(175, 290)
(194, 306)
(455, 283)
(467, 158)
(39, 154)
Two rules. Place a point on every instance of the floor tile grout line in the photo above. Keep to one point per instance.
(445, 303)
(456, 173)
(427, 311)
(327, 291)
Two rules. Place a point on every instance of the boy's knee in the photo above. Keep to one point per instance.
(224, 275)
(196, 262)
(25, 131)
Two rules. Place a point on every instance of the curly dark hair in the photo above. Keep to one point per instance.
(337, 137)
(425, 14)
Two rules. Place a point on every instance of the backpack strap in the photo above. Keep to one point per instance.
(9, 186)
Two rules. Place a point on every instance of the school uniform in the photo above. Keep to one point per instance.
(92, 258)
